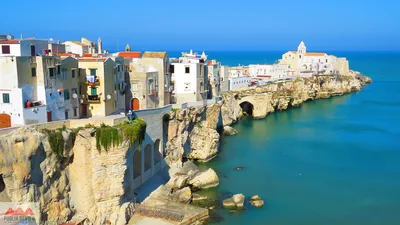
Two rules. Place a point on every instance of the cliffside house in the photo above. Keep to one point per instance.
(190, 77)
(103, 90)
(31, 90)
(160, 62)
(142, 82)
(214, 78)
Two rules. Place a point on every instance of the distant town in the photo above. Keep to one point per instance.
(45, 80)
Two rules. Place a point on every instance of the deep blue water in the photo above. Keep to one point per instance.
(333, 161)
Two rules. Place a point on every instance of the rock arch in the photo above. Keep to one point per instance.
(247, 108)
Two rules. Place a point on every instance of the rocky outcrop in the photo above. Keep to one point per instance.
(204, 180)
(80, 182)
(192, 133)
(235, 202)
(256, 201)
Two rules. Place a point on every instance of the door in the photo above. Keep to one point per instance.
(5, 120)
(135, 104)
(49, 117)
(84, 110)
(33, 52)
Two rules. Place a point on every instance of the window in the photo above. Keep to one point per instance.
(119, 68)
(66, 115)
(51, 72)
(58, 69)
(187, 69)
(6, 98)
(172, 68)
(187, 87)
(299, 56)
(134, 86)
(73, 73)
(326, 60)
(75, 112)
(66, 95)
(5, 49)
(64, 74)
(93, 91)
(92, 72)
(33, 71)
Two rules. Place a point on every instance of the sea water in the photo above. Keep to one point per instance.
(332, 161)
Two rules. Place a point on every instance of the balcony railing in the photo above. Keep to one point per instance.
(93, 99)
(92, 80)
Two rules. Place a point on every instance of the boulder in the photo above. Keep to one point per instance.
(197, 197)
(228, 130)
(182, 196)
(229, 203)
(204, 180)
(238, 199)
(256, 201)
(235, 202)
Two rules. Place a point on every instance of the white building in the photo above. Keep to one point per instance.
(76, 47)
(214, 78)
(239, 82)
(25, 47)
(314, 63)
(34, 79)
(189, 74)
(224, 78)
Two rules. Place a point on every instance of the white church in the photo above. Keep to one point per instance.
(307, 64)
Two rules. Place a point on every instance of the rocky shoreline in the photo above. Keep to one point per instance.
(194, 133)
(85, 183)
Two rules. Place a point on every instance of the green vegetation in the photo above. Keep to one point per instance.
(134, 130)
(106, 136)
(174, 110)
(198, 124)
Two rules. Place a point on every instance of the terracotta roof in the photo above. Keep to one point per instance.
(92, 59)
(315, 54)
(87, 55)
(154, 55)
(9, 42)
(129, 54)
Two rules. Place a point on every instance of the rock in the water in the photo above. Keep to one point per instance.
(239, 200)
(256, 201)
(228, 130)
(204, 180)
(235, 202)
(229, 203)
(239, 168)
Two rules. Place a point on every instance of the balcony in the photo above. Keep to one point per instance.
(92, 81)
(93, 99)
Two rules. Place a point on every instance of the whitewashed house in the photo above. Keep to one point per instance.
(24, 47)
(189, 74)
(34, 79)
(76, 47)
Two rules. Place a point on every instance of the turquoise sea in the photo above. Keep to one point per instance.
(334, 161)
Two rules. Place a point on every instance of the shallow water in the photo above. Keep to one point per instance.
(333, 161)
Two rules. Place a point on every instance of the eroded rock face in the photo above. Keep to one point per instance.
(80, 182)
(193, 132)
(204, 180)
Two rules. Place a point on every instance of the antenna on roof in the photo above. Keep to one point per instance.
(9, 37)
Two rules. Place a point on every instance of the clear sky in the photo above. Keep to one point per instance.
(211, 24)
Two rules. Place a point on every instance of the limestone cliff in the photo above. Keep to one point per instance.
(192, 133)
(81, 182)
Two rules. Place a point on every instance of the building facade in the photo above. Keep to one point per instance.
(31, 90)
(190, 75)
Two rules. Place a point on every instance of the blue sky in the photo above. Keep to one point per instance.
(211, 24)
